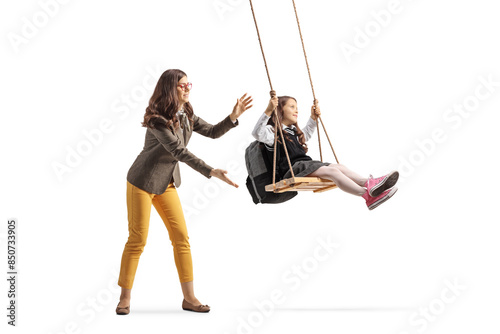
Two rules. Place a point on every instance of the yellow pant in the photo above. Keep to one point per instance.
(169, 208)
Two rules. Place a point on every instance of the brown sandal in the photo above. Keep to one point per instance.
(190, 307)
(122, 310)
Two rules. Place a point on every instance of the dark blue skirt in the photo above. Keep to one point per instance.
(304, 168)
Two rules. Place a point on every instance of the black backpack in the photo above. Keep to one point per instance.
(260, 174)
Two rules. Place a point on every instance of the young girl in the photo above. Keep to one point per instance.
(375, 191)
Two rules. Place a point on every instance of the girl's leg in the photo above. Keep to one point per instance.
(350, 174)
(345, 183)
(139, 209)
(169, 208)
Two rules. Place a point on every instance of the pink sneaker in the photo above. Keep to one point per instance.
(379, 185)
(373, 202)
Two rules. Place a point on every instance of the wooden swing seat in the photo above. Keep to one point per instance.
(315, 184)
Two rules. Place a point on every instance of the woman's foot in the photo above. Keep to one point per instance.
(124, 302)
(373, 202)
(190, 302)
(195, 307)
(379, 185)
(123, 308)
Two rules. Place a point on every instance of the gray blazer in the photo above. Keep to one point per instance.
(157, 164)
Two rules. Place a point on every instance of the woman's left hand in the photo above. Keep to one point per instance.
(221, 175)
(315, 111)
(242, 104)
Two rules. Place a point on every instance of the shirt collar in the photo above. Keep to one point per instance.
(289, 129)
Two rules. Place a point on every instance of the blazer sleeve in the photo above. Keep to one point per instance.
(175, 147)
(213, 131)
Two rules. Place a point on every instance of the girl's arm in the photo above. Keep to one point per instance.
(263, 132)
(311, 122)
(309, 129)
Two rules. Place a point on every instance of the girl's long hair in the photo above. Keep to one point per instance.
(164, 103)
(282, 100)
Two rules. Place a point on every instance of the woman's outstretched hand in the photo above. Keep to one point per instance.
(221, 174)
(273, 104)
(315, 111)
(242, 104)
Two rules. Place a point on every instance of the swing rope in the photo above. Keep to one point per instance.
(261, 48)
(312, 88)
(277, 123)
(303, 49)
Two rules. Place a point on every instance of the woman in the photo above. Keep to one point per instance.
(374, 191)
(153, 177)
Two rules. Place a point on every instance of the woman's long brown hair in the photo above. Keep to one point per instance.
(282, 100)
(164, 103)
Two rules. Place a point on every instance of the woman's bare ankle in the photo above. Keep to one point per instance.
(192, 300)
(124, 302)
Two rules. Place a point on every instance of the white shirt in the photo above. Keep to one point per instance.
(180, 114)
(265, 133)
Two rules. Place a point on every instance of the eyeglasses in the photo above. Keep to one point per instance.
(183, 86)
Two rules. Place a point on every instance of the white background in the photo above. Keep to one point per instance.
(442, 225)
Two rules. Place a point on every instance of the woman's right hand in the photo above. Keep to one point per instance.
(273, 104)
(221, 174)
